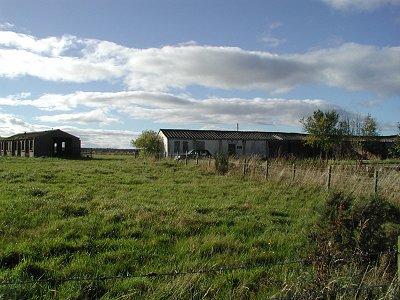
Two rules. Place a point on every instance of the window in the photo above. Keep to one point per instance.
(63, 146)
(2, 146)
(185, 146)
(30, 143)
(231, 149)
(22, 145)
(201, 145)
(177, 146)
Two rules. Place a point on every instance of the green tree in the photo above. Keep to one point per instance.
(369, 132)
(323, 131)
(396, 145)
(149, 143)
(369, 127)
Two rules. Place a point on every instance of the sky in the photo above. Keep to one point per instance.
(105, 70)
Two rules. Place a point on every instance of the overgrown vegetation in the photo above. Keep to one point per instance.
(117, 216)
(149, 143)
(361, 229)
(221, 163)
(341, 135)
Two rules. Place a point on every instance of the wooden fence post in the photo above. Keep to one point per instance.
(244, 167)
(376, 176)
(197, 159)
(293, 172)
(328, 181)
(266, 170)
(186, 158)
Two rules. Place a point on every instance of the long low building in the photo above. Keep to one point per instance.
(235, 143)
(262, 144)
(50, 143)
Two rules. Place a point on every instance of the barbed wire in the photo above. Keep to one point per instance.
(333, 292)
(222, 269)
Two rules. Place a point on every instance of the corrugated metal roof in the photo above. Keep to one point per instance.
(228, 135)
(187, 134)
(32, 135)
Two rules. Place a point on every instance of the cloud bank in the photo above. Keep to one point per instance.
(11, 124)
(69, 59)
(365, 5)
(152, 79)
(161, 107)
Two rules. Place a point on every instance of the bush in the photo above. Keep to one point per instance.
(360, 229)
(221, 163)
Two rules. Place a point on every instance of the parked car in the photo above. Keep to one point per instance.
(192, 154)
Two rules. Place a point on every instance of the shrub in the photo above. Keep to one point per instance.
(361, 229)
(221, 163)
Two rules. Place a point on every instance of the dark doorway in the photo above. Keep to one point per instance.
(62, 147)
(232, 149)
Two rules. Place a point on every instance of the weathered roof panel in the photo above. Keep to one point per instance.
(33, 135)
(228, 135)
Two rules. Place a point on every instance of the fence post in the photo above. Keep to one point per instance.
(376, 176)
(266, 170)
(197, 159)
(244, 167)
(293, 171)
(398, 262)
(186, 158)
(328, 182)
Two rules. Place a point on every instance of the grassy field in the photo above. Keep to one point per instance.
(118, 216)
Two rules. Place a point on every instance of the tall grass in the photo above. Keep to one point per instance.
(113, 216)
(346, 176)
(117, 216)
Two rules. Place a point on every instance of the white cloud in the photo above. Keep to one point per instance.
(366, 5)
(172, 109)
(17, 63)
(358, 67)
(11, 124)
(6, 26)
(271, 41)
(349, 66)
(220, 111)
(94, 116)
(99, 138)
(96, 138)
(51, 46)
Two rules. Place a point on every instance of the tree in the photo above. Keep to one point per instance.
(369, 132)
(323, 129)
(369, 127)
(149, 143)
(396, 145)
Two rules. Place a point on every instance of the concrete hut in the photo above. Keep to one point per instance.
(50, 143)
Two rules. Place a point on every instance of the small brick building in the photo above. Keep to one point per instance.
(50, 143)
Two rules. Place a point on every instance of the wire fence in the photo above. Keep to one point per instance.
(326, 293)
(360, 180)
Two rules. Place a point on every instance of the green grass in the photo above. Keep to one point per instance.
(114, 216)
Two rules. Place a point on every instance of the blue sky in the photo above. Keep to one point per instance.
(106, 70)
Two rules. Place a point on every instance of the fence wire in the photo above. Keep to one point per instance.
(222, 269)
(358, 179)
(328, 294)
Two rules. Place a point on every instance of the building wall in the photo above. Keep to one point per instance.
(173, 147)
(271, 148)
(57, 146)
(52, 144)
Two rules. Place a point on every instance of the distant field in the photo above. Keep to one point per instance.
(119, 216)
